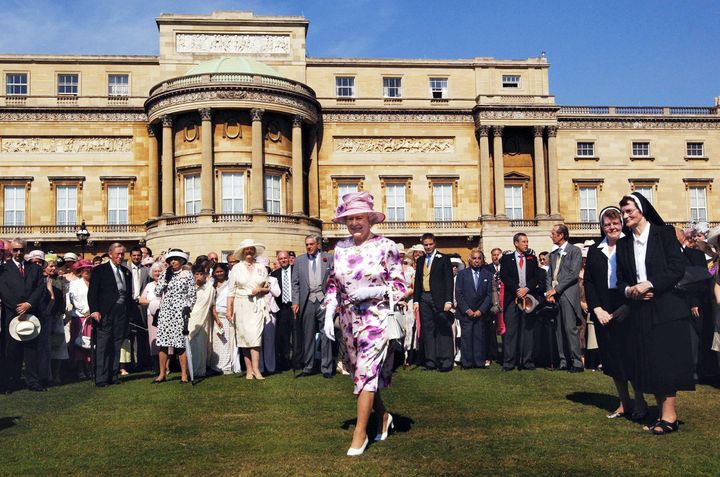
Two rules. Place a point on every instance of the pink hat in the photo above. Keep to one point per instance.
(356, 203)
(81, 264)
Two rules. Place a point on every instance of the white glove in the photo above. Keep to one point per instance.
(366, 293)
(329, 324)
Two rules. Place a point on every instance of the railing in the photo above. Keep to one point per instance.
(70, 230)
(231, 78)
(524, 223)
(182, 220)
(410, 224)
(583, 226)
(224, 218)
(639, 110)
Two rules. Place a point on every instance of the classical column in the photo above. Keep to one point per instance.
(257, 202)
(297, 166)
(168, 167)
(314, 179)
(153, 174)
(207, 193)
(485, 198)
(553, 173)
(499, 172)
(539, 156)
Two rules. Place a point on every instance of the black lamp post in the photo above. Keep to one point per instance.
(82, 235)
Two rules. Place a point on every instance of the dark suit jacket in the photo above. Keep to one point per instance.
(16, 289)
(467, 297)
(278, 276)
(441, 280)
(665, 266)
(511, 279)
(103, 291)
(695, 257)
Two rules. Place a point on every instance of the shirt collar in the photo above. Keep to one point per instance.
(604, 243)
(643, 238)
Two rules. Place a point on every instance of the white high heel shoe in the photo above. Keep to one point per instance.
(357, 451)
(384, 435)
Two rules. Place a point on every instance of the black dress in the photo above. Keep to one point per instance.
(660, 327)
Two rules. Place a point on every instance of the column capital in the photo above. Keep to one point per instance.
(498, 130)
(256, 114)
(483, 130)
(297, 121)
(150, 130)
(206, 114)
(538, 131)
(552, 131)
(167, 121)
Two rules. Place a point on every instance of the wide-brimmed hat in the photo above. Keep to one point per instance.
(70, 257)
(147, 261)
(713, 238)
(247, 243)
(356, 203)
(417, 248)
(25, 330)
(81, 265)
(177, 254)
(527, 304)
(400, 248)
(36, 254)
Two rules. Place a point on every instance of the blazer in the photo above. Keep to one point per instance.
(144, 277)
(695, 257)
(103, 292)
(665, 266)
(278, 276)
(301, 278)
(441, 280)
(511, 279)
(16, 289)
(468, 298)
(595, 282)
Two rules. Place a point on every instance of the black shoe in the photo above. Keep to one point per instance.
(427, 368)
(445, 370)
(158, 381)
(529, 367)
(116, 381)
(575, 369)
(37, 388)
(327, 375)
(303, 375)
(507, 369)
(101, 385)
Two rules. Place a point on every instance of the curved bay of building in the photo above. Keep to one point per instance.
(233, 132)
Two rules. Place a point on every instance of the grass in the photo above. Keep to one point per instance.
(477, 422)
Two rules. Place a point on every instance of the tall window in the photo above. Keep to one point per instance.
(272, 194)
(14, 205)
(695, 149)
(66, 205)
(16, 84)
(511, 81)
(514, 202)
(395, 202)
(233, 193)
(345, 86)
(117, 198)
(442, 201)
(192, 195)
(68, 84)
(345, 188)
(438, 88)
(118, 85)
(647, 191)
(698, 204)
(586, 149)
(392, 87)
(641, 149)
(588, 204)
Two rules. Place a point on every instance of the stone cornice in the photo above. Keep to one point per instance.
(66, 114)
(395, 116)
(638, 123)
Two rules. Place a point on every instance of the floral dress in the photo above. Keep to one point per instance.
(175, 294)
(375, 262)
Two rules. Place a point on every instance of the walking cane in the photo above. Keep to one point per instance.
(93, 348)
(188, 352)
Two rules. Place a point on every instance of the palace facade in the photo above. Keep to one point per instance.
(232, 131)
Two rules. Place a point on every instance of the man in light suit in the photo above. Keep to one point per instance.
(473, 292)
(562, 288)
(138, 313)
(309, 275)
(285, 317)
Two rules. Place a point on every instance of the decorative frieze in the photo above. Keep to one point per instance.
(392, 117)
(521, 114)
(239, 43)
(85, 116)
(394, 144)
(638, 124)
(66, 144)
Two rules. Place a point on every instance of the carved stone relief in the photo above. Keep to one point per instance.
(245, 44)
(638, 124)
(60, 145)
(394, 144)
(72, 116)
(380, 117)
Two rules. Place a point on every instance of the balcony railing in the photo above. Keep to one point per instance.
(639, 111)
(69, 230)
(231, 78)
(420, 225)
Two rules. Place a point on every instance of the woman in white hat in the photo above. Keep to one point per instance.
(247, 287)
(364, 282)
(176, 289)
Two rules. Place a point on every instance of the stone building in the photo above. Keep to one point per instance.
(233, 131)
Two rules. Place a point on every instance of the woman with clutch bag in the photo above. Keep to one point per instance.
(365, 282)
(608, 312)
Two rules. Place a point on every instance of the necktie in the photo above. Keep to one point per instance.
(428, 256)
(286, 285)
(22, 269)
(476, 277)
(314, 263)
(522, 261)
(121, 282)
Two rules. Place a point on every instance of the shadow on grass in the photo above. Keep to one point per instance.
(400, 424)
(7, 422)
(602, 401)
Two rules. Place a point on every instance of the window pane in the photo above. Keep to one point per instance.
(695, 149)
(391, 87)
(438, 88)
(272, 194)
(586, 149)
(16, 84)
(118, 85)
(442, 200)
(192, 195)
(511, 81)
(233, 193)
(345, 86)
(66, 205)
(68, 84)
(513, 202)
(647, 191)
(345, 189)
(14, 205)
(395, 200)
(118, 204)
(588, 204)
(698, 204)
(641, 149)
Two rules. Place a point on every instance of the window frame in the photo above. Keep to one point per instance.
(270, 201)
(8, 84)
(507, 81)
(444, 91)
(127, 85)
(581, 149)
(688, 149)
(109, 209)
(387, 88)
(242, 175)
(442, 207)
(59, 85)
(697, 217)
(591, 212)
(392, 216)
(66, 209)
(196, 199)
(635, 148)
(512, 187)
(14, 211)
(339, 87)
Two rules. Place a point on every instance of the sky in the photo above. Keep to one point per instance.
(609, 52)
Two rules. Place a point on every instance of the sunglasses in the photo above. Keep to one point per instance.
(18, 250)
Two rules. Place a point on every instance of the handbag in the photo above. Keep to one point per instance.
(82, 340)
(395, 329)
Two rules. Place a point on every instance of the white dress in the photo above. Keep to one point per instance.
(224, 356)
(249, 311)
(199, 325)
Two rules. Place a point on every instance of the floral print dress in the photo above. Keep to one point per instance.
(375, 262)
(176, 294)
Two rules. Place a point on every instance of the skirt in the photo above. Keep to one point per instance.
(614, 345)
(224, 354)
(249, 322)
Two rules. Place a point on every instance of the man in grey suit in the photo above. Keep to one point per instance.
(309, 279)
(562, 288)
(138, 313)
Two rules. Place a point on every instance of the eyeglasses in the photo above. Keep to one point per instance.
(18, 249)
(406, 263)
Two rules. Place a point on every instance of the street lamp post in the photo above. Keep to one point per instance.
(82, 235)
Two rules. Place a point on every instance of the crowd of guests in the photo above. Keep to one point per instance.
(640, 303)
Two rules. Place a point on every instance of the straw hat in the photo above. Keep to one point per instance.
(356, 203)
(417, 248)
(259, 248)
(25, 330)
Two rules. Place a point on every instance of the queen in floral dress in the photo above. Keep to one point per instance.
(365, 281)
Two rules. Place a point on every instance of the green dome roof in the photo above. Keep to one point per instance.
(232, 65)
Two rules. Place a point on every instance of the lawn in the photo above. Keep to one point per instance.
(477, 422)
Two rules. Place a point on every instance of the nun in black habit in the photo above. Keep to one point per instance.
(650, 264)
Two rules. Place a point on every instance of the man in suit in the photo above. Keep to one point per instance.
(285, 317)
(138, 313)
(562, 288)
(309, 275)
(491, 322)
(433, 296)
(21, 292)
(110, 296)
(519, 275)
(473, 293)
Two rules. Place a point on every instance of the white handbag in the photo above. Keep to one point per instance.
(395, 329)
(82, 341)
